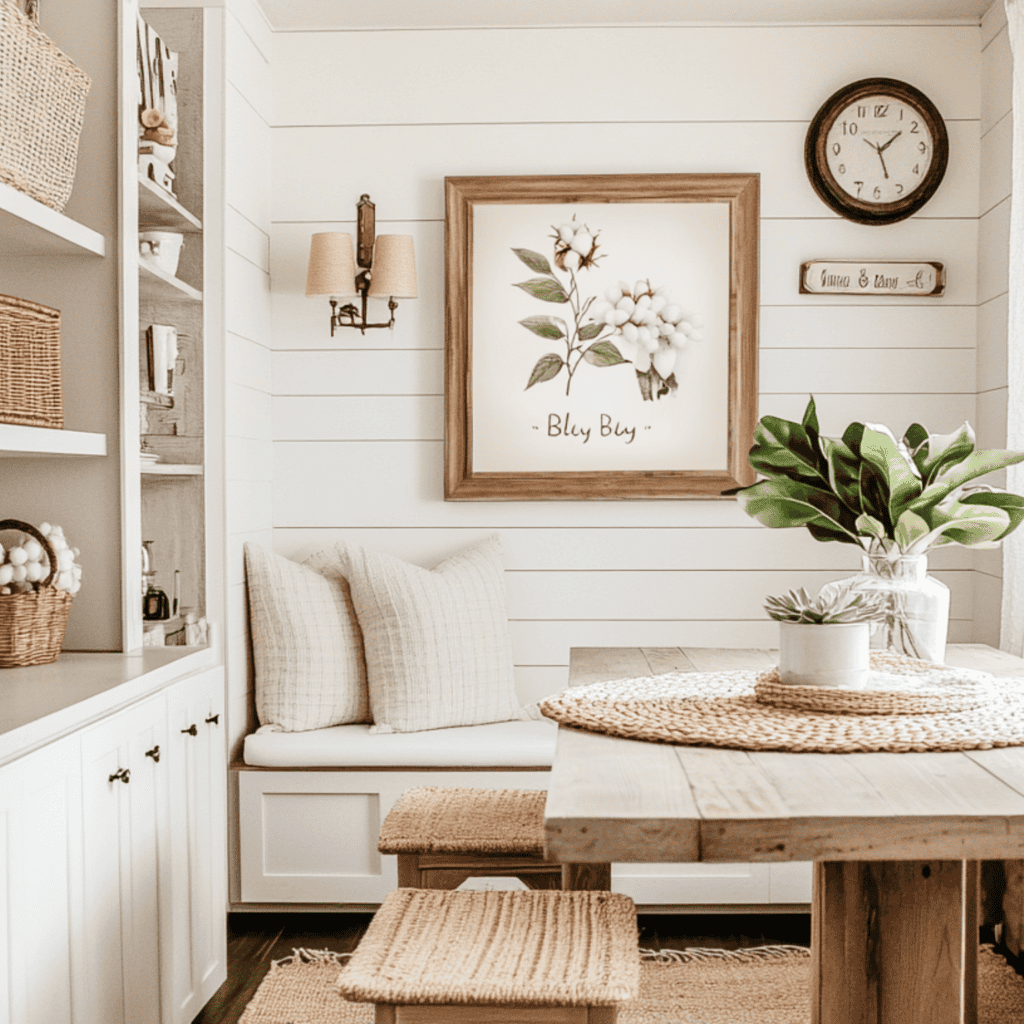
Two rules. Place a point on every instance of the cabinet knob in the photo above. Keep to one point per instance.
(213, 719)
(154, 753)
(124, 774)
(191, 730)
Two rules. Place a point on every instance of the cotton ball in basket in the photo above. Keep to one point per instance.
(6, 574)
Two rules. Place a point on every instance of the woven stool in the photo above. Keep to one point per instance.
(444, 835)
(433, 957)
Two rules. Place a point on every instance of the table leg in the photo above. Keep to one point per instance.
(887, 941)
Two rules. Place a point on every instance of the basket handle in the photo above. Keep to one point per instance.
(17, 524)
(32, 10)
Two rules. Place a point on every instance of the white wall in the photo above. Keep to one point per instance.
(248, 41)
(993, 266)
(357, 422)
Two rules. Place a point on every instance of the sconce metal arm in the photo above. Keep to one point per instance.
(350, 315)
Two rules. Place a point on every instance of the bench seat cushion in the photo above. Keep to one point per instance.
(495, 745)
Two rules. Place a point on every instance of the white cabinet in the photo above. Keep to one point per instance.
(113, 866)
(198, 854)
(41, 819)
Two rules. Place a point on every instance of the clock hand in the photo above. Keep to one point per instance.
(881, 149)
(878, 149)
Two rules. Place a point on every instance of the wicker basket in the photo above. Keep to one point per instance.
(30, 388)
(42, 104)
(32, 623)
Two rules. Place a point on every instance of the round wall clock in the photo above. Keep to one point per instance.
(876, 151)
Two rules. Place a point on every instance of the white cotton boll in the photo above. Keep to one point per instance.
(58, 544)
(65, 560)
(649, 320)
(65, 581)
(658, 303)
(666, 330)
(75, 552)
(664, 362)
(643, 336)
(75, 588)
(571, 261)
(17, 556)
(643, 302)
(582, 243)
(624, 289)
(672, 313)
(652, 344)
(626, 305)
(34, 572)
(679, 341)
(19, 574)
(613, 293)
(5, 591)
(600, 309)
(640, 287)
(609, 317)
(629, 332)
(619, 317)
(566, 231)
(684, 328)
(33, 549)
(6, 574)
(57, 531)
(45, 528)
(696, 336)
(642, 360)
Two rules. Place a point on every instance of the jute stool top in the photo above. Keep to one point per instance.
(547, 948)
(431, 819)
(931, 708)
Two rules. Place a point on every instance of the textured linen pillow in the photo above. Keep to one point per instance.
(438, 650)
(307, 649)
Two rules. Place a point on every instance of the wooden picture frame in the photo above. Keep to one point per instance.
(701, 228)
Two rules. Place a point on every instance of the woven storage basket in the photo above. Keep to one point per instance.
(32, 623)
(30, 388)
(42, 104)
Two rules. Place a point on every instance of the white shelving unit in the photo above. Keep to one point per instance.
(172, 469)
(38, 442)
(159, 209)
(162, 285)
(28, 228)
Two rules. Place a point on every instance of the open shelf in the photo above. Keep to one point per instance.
(172, 469)
(161, 285)
(39, 442)
(159, 209)
(28, 228)
(155, 398)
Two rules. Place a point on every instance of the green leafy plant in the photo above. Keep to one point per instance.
(888, 497)
(834, 604)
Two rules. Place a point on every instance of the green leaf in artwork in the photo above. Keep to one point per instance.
(588, 332)
(546, 326)
(537, 263)
(603, 353)
(547, 367)
(544, 288)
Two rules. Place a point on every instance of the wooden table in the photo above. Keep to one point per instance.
(895, 837)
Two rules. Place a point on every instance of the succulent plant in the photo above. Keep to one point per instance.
(836, 603)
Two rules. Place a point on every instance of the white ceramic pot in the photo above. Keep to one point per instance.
(834, 655)
(162, 248)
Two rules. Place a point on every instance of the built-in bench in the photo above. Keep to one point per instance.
(311, 805)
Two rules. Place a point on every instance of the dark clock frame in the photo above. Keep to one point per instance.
(829, 190)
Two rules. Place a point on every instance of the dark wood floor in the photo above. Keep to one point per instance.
(254, 940)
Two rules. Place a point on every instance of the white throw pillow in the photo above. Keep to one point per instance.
(438, 650)
(307, 649)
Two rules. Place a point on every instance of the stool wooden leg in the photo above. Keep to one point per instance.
(587, 876)
(409, 871)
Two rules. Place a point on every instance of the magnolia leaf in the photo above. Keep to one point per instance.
(1011, 504)
(547, 367)
(603, 353)
(590, 331)
(784, 449)
(844, 473)
(910, 529)
(785, 503)
(543, 288)
(545, 326)
(943, 451)
(880, 450)
(810, 419)
(976, 464)
(915, 437)
(975, 524)
(869, 526)
(534, 261)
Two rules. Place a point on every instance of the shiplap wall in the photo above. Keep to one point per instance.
(248, 42)
(993, 266)
(357, 421)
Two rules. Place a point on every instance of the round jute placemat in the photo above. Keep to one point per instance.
(722, 709)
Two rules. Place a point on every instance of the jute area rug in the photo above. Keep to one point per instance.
(767, 985)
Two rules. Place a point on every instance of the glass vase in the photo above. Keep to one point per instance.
(918, 606)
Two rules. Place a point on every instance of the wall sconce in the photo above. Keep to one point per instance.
(389, 269)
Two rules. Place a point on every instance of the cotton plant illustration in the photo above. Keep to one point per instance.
(641, 319)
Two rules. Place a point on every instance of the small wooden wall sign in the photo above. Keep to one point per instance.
(862, 277)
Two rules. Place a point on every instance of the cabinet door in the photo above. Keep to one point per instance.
(198, 826)
(124, 815)
(40, 812)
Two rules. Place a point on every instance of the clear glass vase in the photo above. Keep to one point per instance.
(918, 614)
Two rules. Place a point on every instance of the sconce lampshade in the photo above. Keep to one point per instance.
(332, 265)
(394, 268)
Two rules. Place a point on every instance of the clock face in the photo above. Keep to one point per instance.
(876, 151)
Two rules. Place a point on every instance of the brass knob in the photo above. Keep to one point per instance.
(124, 774)
(191, 730)
(154, 753)
(213, 719)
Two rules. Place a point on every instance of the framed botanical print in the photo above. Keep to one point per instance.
(601, 335)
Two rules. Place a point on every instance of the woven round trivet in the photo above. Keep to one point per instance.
(721, 709)
(897, 685)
